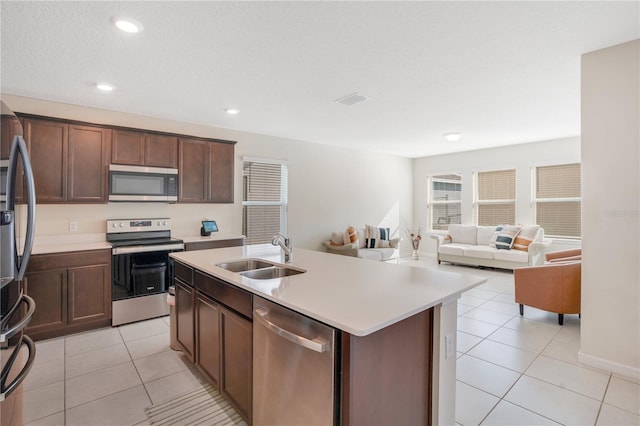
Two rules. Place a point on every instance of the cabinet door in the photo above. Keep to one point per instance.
(127, 147)
(48, 143)
(221, 171)
(49, 290)
(184, 318)
(193, 171)
(89, 293)
(88, 161)
(161, 151)
(208, 338)
(236, 334)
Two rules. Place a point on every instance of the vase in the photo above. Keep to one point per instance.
(415, 254)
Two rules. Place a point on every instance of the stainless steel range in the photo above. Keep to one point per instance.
(140, 267)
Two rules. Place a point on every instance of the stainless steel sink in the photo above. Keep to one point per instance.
(245, 265)
(270, 273)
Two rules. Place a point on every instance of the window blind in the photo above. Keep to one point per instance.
(558, 200)
(264, 200)
(496, 197)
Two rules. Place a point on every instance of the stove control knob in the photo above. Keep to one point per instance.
(164, 223)
(121, 224)
(113, 225)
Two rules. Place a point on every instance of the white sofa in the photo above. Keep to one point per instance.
(357, 249)
(471, 245)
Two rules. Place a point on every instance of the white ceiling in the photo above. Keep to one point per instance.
(498, 72)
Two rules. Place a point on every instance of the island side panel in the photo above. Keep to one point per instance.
(387, 375)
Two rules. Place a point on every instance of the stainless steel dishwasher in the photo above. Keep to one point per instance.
(293, 368)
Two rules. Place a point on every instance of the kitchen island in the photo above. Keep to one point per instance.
(396, 327)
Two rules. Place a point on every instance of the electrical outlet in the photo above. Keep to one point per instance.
(73, 226)
(449, 347)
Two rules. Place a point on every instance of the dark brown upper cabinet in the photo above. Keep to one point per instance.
(69, 161)
(205, 171)
(144, 149)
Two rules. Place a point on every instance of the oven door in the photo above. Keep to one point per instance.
(139, 284)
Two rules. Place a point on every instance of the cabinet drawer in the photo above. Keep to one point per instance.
(46, 262)
(184, 273)
(224, 293)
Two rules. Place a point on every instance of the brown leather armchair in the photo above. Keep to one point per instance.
(554, 286)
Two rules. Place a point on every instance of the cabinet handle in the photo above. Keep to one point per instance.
(317, 345)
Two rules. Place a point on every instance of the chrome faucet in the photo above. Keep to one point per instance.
(285, 245)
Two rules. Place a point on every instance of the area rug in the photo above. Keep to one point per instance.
(202, 407)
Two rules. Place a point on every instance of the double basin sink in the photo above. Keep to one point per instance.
(259, 269)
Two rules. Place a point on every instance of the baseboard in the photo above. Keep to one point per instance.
(607, 365)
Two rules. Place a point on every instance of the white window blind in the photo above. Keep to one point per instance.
(496, 197)
(558, 200)
(264, 202)
(445, 200)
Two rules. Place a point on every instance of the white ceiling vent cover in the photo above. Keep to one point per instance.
(351, 99)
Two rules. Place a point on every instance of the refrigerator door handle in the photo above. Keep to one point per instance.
(20, 148)
(31, 307)
(6, 390)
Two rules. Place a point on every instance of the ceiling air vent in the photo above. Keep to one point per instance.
(351, 99)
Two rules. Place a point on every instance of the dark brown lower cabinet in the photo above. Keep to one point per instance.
(208, 338)
(185, 299)
(387, 376)
(215, 330)
(72, 292)
(237, 359)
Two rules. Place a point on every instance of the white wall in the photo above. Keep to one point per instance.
(610, 326)
(519, 157)
(330, 188)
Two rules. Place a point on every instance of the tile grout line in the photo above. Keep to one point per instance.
(135, 367)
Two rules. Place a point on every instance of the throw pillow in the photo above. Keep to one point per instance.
(350, 236)
(376, 237)
(337, 239)
(526, 236)
(504, 236)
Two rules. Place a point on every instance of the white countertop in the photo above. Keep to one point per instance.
(195, 238)
(355, 295)
(45, 244)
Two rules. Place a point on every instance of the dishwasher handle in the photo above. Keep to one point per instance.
(317, 345)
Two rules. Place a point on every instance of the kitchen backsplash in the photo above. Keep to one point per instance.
(56, 219)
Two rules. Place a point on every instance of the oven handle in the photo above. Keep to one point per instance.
(146, 249)
(6, 390)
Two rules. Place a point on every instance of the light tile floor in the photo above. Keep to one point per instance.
(511, 370)
(106, 376)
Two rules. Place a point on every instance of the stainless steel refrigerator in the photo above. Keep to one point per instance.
(17, 228)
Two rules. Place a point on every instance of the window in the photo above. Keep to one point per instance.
(557, 199)
(264, 200)
(495, 197)
(445, 200)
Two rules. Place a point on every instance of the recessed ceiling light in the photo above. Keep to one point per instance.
(105, 87)
(127, 25)
(452, 137)
(231, 111)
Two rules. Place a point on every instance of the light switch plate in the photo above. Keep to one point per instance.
(449, 347)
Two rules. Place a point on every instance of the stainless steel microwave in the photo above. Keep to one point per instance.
(139, 183)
